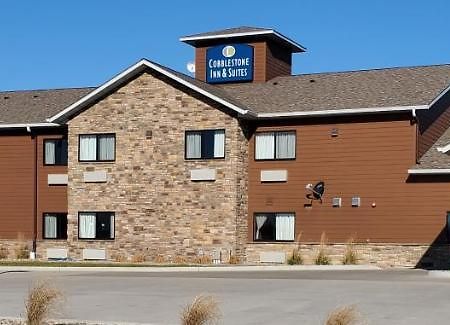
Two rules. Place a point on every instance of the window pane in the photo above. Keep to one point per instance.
(50, 152)
(193, 145)
(265, 227)
(106, 148)
(88, 147)
(285, 145)
(207, 144)
(284, 226)
(50, 226)
(61, 152)
(86, 227)
(103, 226)
(264, 145)
(219, 144)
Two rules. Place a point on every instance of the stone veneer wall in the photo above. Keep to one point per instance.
(385, 255)
(9, 248)
(160, 213)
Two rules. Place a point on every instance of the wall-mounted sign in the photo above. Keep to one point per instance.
(229, 63)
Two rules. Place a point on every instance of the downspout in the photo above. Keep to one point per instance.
(35, 188)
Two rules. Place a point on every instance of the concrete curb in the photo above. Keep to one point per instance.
(21, 321)
(439, 274)
(150, 269)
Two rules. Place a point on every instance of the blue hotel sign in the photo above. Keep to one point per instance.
(229, 63)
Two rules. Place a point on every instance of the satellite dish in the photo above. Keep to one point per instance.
(190, 66)
(316, 191)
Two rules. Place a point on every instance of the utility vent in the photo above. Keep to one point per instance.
(337, 202)
(356, 201)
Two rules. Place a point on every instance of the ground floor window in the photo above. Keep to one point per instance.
(274, 226)
(55, 226)
(96, 225)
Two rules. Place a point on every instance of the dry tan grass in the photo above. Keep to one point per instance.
(138, 258)
(322, 257)
(345, 315)
(160, 259)
(179, 259)
(203, 310)
(120, 258)
(203, 259)
(21, 250)
(234, 259)
(350, 254)
(3, 253)
(41, 302)
(296, 258)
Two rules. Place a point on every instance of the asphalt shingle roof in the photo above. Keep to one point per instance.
(344, 90)
(35, 106)
(235, 30)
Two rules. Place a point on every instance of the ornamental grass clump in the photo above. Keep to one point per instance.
(346, 315)
(202, 311)
(350, 254)
(296, 257)
(41, 303)
(322, 257)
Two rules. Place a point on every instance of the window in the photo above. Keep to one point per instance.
(97, 147)
(96, 225)
(274, 226)
(55, 226)
(275, 145)
(55, 152)
(207, 144)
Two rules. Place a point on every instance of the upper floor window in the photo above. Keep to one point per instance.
(55, 152)
(55, 226)
(206, 144)
(97, 147)
(275, 145)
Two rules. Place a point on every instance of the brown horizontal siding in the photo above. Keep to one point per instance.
(278, 61)
(51, 198)
(16, 186)
(367, 159)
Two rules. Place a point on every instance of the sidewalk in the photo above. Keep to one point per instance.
(157, 269)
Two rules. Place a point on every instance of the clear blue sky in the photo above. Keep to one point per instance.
(54, 44)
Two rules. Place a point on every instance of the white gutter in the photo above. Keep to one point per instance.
(443, 149)
(27, 125)
(429, 171)
(441, 94)
(244, 34)
(142, 64)
(345, 111)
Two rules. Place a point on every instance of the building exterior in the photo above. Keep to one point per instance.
(157, 165)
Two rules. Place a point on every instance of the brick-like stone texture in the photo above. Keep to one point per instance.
(385, 255)
(161, 215)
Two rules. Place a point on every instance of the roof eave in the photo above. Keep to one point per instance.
(346, 111)
(28, 125)
(192, 40)
(429, 171)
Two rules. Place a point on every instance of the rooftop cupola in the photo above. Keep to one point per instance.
(242, 54)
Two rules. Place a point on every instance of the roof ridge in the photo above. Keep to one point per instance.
(365, 70)
(45, 89)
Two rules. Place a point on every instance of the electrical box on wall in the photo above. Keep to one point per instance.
(337, 202)
(356, 201)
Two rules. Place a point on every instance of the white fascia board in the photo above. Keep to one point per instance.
(345, 111)
(435, 171)
(243, 34)
(441, 94)
(27, 125)
(443, 149)
(139, 65)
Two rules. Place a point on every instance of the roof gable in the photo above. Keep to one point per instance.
(209, 91)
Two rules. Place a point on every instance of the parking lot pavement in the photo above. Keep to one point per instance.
(272, 297)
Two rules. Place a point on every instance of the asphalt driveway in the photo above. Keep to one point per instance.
(271, 297)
